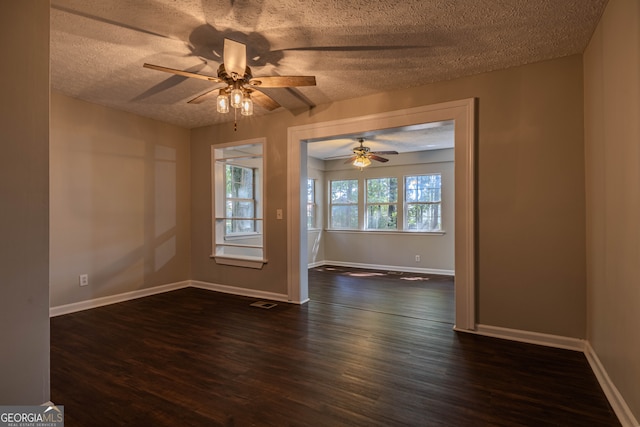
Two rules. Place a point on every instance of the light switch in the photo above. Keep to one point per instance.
(278, 213)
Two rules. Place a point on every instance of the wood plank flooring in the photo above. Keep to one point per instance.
(366, 351)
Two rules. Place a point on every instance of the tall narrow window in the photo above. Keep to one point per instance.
(381, 204)
(344, 204)
(237, 187)
(312, 206)
(240, 200)
(423, 198)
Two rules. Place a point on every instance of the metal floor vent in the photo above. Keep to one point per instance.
(264, 304)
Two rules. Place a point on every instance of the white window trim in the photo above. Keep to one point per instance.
(330, 205)
(367, 204)
(256, 262)
(405, 204)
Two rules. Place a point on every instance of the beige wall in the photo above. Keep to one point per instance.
(120, 201)
(24, 198)
(612, 137)
(531, 209)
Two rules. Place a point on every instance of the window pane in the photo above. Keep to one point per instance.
(311, 190)
(239, 182)
(240, 209)
(382, 190)
(344, 216)
(240, 226)
(344, 191)
(423, 188)
(381, 217)
(424, 217)
(311, 216)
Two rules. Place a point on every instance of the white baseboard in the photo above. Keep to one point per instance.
(113, 299)
(530, 337)
(386, 267)
(239, 291)
(617, 402)
(127, 296)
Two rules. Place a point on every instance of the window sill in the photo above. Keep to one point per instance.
(238, 261)
(241, 236)
(402, 232)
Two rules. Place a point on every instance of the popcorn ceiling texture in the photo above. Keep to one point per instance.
(354, 48)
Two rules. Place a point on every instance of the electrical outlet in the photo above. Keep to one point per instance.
(84, 280)
(417, 258)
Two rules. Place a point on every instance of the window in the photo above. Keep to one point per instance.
(344, 204)
(237, 174)
(381, 204)
(240, 200)
(423, 199)
(312, 207)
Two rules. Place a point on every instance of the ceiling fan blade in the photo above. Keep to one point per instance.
(264, 100)
(378, 158)
(183, 73)
(283, 81)
(235, 57)
(383, 152)
(351, 48)
(213, 93)
(350, 159)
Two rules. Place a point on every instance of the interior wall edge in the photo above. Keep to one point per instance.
(617, 402)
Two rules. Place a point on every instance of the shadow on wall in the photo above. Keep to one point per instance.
(114, 217)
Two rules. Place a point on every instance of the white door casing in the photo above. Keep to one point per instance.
(462, 112)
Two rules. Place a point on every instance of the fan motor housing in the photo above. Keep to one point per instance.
(222, 74)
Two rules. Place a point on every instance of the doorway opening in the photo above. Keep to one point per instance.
(462, 113)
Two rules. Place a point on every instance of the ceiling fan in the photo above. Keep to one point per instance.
(362, 155)
(240, 88)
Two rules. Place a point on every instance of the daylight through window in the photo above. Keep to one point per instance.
(423, 198)
(237, 187)
(381, 205)
(344, 204)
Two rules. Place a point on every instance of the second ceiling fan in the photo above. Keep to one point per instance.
(362, 155)
(235, 84)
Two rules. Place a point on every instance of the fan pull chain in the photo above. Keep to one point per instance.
(235, 119)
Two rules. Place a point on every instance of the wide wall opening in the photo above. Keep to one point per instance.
(456, 117)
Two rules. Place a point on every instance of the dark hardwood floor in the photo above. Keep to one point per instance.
(366, 351)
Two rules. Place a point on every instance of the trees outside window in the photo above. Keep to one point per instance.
(237, 195)
(344, 204)
(423, 202)
(240, 200)
(381, 204)
(312, 206)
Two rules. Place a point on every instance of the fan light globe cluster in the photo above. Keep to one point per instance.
(236, 99)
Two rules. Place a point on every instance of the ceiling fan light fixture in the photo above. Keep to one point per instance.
(246, 108)
(361, 162)
(223, 102)
(236, 97)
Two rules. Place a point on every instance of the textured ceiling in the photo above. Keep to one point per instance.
(354, 47)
